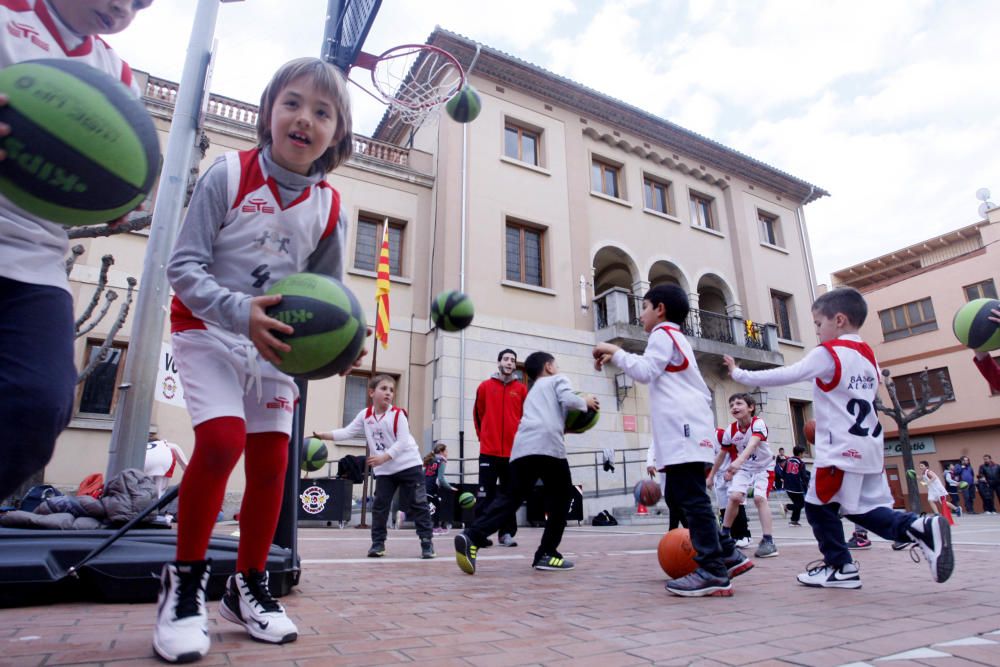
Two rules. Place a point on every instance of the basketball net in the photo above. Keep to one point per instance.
(414, 80)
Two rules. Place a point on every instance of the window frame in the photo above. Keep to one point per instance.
(981, 287)
(649, 184)
(705, 203)
(788, 300)
(910, 400)
(94, 344)
(615, 168)
(522, 129)
(523, 227)
(765, 220)
(397, 249)
(912, 328)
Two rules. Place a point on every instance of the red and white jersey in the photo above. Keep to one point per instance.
(739, 437)
(848, 433)
(260, 242)
(387, 433)
(33, 249)
(680, 403)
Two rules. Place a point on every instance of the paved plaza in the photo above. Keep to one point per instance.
(611, 610)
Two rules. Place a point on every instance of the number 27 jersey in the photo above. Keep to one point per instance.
(848, 433)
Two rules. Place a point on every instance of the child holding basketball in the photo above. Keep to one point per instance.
(538, 453)
(937, 495)
(394, 457)
(849, 477)
(37, 370)
(226, 257)
(749, 470)
(683, 430)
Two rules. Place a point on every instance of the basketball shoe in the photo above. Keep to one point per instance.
(859, 541)
(465, 553)
(427, 549)
(547, 562)
(820, 575)
(181, 631)
(700, 583)
(248, 602)
(737, 563)
(933, 535)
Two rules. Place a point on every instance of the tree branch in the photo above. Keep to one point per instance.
(95, 231)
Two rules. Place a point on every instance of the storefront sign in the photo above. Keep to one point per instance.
(918, 445)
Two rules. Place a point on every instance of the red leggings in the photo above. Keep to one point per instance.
(218, 444)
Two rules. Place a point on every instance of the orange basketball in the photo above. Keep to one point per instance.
(809, 430)
(676, 553)
(649, 492)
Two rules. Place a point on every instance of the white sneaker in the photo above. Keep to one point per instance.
(506, 541)
(248, 602)
(181, 631)
(820, 575)
(933, 534)
(743, 542)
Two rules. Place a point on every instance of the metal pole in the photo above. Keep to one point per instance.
(128, 439)
(286, 533)
(461, 287)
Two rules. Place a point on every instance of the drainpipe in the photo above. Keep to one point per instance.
(800, 216)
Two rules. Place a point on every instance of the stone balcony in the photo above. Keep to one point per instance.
(712, 335)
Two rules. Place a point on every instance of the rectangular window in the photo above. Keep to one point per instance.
(520, 143)
(656, 195)
(800, 411)
(369, 244)
(909, 387)
(524, 254)
(910, 319)
(782, 306)
(99, 394)
(701, 212)
(986, 289)
(604, 178)
(356, 394)
(770, 231)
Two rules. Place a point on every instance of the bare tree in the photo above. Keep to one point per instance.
(926, 403)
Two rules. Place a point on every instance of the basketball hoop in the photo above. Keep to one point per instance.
(415, 80)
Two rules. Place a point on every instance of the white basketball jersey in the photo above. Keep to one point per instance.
(848, 433)
(762, 458)
(387, 433)
(34, 250)
(260, 242)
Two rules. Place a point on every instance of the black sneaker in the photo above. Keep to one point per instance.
(899, 545)
(700, 583)
(737, 563)
(546, 562)
(859, 542)
(377, 550)
(933, 535)
(427, 549)
(820, 575)
(487, 544)
(465, 553)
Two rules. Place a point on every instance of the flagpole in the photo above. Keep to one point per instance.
(364, 487)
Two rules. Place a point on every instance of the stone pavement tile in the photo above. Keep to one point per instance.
(583, 649)
(767, 663)
(738, 654)
(799, 641)
(482, 637)
(525, 656)
(369, 645)
(471, 652)
(604, 660)
(664, 651)
(951, 661)
(670, 636)
(692, 662)
(987, 655)
(827, 657)
(903, 641)
(23, 661)
(360, 660)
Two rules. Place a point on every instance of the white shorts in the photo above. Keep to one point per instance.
(857, 493)
(744, 479)
(219, 381)
(721, 491)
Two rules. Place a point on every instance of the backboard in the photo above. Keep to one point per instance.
(347, 26)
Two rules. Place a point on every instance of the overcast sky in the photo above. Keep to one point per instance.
(891, 106)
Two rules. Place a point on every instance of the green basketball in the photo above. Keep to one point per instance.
(466, 500)
(314, 454)
(81, 150)
(963, 485)
(328, 322)
(452, 310)
(465, 105)
(578, 422)
(974, 329)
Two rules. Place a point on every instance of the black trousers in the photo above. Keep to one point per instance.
(494, 469)
(798, 502)
(675, 511)
(524, 472)
(741, 526)
(412, 500)
(686, 488)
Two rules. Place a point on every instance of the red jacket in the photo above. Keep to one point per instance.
(990, 369)
(497, 414)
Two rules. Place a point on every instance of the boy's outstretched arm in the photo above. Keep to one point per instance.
(818, 363)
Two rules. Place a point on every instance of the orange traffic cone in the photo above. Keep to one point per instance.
(642, 510)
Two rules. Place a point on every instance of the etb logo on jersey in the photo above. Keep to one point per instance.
(279, 403)
(257, 205)
(314, 500)
(22, 31)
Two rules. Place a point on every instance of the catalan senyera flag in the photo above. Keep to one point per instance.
(382, 292)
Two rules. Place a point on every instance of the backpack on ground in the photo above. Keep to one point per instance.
(37, 495)
(604, 519)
